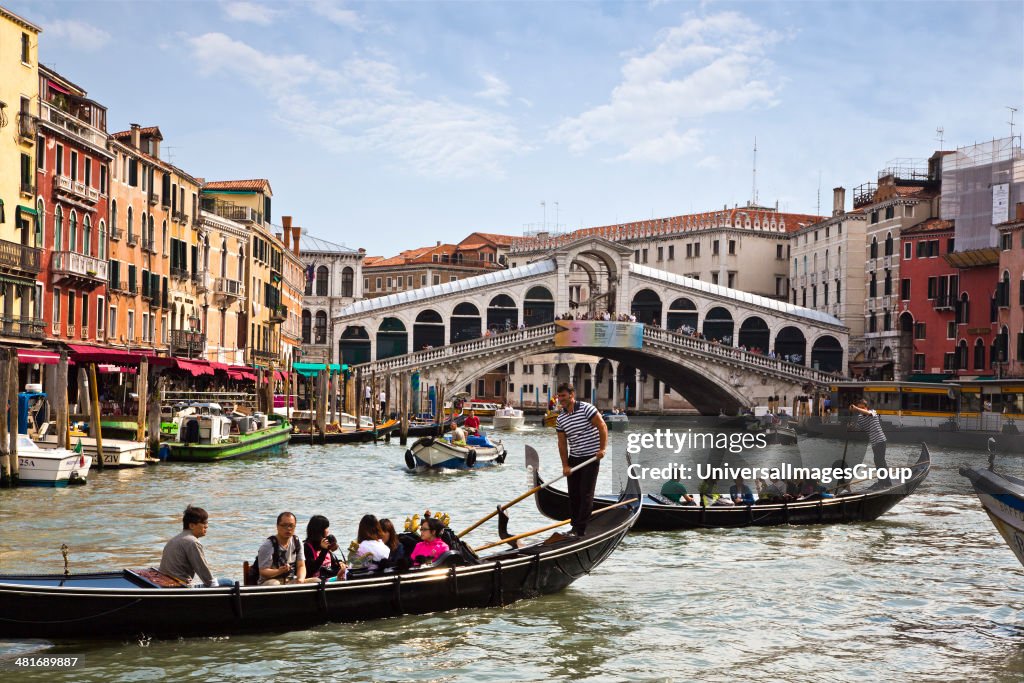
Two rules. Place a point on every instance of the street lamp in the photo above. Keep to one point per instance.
(193, 324)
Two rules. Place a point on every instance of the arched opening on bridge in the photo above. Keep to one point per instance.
(601, 274)
(392, 338)
(827, 354)
(465, 323)
(538, 306)
(754, 334)
(682, 316)
(354, 345)
(646, 306)
(718, 324)
(502, 313)
(428, 330)
(791, 345)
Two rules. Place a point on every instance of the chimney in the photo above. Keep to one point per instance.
(136, 139)
(286, 221)
(838, 200)
(439, 243)
(1020, 211)
(296, 237)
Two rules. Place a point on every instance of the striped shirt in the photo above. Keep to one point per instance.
(873, 426)
(583, 437)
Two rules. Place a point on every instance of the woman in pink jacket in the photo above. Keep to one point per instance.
(430, 546)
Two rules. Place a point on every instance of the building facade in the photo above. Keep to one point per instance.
(1011, 316)
(224, 301)
(333, 279)
(21, 239)
(73, 174)
(425, 266)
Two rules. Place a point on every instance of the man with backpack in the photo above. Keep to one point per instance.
(280, 559)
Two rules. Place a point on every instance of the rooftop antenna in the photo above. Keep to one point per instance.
(1013, 110)
(556, 216)
(753, 189)
(819, 194)
(170, 153)
(940, 135)
(544, 205)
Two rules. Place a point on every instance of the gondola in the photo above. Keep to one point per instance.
(129, 603)
(1002, 496)
(661, 514)
(351, 435)
(434, 429)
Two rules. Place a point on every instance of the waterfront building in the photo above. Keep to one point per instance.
(224, 301)
(1011, 269)
(249, 202)
(825, 268)
(426, 266)
(73, 175)
(293, 284)
(333, 279)
(21, 239)
(905, 195)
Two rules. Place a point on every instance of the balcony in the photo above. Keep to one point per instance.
(201, 281)
(183, 342)
(232, 211)
(837, 274)
(148, 245)
(228, 289)
(72, 189)
(85, 270)
(26, 126)
(119, 286)
(888, 262)
(943, 303)
(50, 114)
(869, 265)
(179, 273)
(152, 198)
(133, 239)
(887, 301)
(264, 356)
(16, 256)
(179, 217)
(23, 328)
(278, 314)
(116, 234)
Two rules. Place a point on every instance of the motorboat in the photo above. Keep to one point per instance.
(508, 418)
(50, 466)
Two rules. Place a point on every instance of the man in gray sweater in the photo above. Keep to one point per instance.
(183, 556)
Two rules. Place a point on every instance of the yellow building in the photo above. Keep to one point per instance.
(248, 202)
(293, 287)
(20, 239)
(224, 302)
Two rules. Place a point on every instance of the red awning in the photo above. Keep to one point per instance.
(83, 353)
(241, 372)
(38, 356)
(223, 367)
(198, 368)
(278, 375)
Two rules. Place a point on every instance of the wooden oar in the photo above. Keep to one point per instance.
(531, 460)
(549, 527)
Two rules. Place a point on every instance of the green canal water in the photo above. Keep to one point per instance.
(928, 592)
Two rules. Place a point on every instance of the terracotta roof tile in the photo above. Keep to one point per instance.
(153, 131)
(930, 225)
(253, 185)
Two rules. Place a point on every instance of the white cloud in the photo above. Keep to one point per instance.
(337, 14)
(252, 12)
(705, 66)
(77, 34)
(497, 90)
(362, 105)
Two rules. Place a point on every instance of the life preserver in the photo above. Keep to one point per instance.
(410, 460)
(471, 458)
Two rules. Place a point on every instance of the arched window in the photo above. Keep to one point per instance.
(101, 251)
(347, 278)
(306, 337)
(86, 235)
(163, 236)
(979, 355)
(805, 264)
(241, 262)
(58, 229)
(874, 248)
(113, 216)
(321, 281)
(73, 231)
(131, 223)
(40, 221)
(224, 257)
(826, 259)
(888, 244)
(152, 231)
(321, 328)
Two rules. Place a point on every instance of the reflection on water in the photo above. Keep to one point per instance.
(929, 591)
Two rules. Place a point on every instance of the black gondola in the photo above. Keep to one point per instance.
(434, 429)
(361, 435)
(661, 514)
(127, 604)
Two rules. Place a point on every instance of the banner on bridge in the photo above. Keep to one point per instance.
(598, 333)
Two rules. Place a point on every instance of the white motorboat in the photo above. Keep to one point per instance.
(508, 418)
(116, 452)
(50, 466)
(443, 453)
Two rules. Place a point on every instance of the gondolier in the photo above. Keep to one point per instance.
(868, 421)
(582, 434)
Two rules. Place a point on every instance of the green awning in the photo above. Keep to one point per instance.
(25, 209)
(313, 369)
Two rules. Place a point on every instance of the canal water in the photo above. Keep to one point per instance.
(928, 592)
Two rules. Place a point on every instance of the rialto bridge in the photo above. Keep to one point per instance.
(718, 347)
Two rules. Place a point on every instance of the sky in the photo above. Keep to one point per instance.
(391, 125)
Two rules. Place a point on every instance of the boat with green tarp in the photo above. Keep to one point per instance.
(207, 434)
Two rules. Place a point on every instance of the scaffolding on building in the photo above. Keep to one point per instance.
(980, 183)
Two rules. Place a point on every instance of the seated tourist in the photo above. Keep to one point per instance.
(390, 539)
(371, 550)
(280, 559)
(430, 546)
(675, 491)
(318, 550)
(740, 493)
(458, 436)
(183, 557)
(708, 496)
